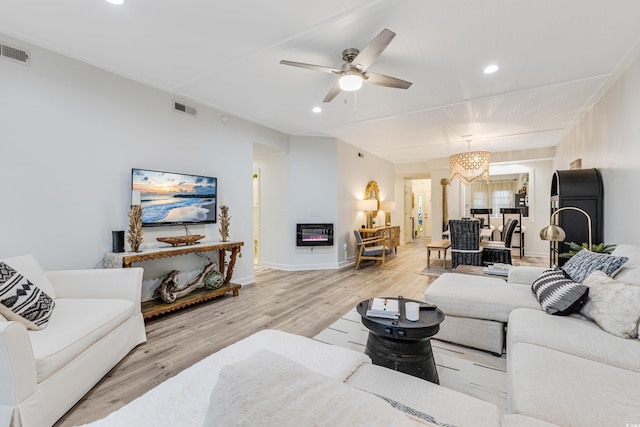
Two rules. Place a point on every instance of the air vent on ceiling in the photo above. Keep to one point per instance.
(182, 108)
(14, 54)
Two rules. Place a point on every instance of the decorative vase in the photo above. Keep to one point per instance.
(213, 280)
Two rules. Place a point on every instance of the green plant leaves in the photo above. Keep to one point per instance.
(574, 248)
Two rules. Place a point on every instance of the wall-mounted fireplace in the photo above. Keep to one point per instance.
(314, 235)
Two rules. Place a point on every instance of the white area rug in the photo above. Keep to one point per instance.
(468, 371)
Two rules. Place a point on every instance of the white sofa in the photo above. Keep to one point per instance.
(562, 369)
(95, 322)
(256, 392)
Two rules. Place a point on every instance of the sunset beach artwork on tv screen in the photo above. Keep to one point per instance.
(173, 198)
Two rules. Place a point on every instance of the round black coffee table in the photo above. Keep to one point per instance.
(400, 344)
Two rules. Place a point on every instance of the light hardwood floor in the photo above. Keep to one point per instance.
(301, 302)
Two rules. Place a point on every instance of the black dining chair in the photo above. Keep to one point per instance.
(499, 251)
(465, 242)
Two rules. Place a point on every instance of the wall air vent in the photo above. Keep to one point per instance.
(14, 54)
(182, 108)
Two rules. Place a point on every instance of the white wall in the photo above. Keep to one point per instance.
(72, 133)
(313, 162)
(608, 138)
(355, 172)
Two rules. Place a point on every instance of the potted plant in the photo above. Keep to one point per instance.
(574, 248)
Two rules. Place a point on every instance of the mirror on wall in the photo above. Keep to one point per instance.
(502, 191)
(372, 192)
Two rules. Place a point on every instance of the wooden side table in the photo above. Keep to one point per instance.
(155, 307)
(438, 245)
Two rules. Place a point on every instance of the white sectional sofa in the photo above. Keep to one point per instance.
(562, 369)
(242, 385)
(95, 322)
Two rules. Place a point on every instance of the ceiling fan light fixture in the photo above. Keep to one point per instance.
(350, 81)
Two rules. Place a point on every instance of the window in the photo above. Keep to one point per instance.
(504, 191)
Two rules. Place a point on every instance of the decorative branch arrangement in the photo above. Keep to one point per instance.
(225, 221)
(135, 228)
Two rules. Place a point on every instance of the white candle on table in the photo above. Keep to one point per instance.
(412, 311)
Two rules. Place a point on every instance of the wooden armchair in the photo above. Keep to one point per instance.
(370, 248)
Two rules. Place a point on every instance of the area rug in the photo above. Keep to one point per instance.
(468, 371)
(436, 268)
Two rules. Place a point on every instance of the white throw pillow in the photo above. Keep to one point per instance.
(630, 271)
(269, 390)
(613, 305)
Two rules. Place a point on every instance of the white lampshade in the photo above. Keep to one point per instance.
(368, 205)
(350, 81)
(135, 198)
(388, 206)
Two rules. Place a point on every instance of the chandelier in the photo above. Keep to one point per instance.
(469, 166)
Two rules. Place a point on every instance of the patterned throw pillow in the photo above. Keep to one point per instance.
(584, 262)
(558, 294)
(22, 301)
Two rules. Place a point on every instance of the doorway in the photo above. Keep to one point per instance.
(256, 216)
(408, 215)
(421, 195)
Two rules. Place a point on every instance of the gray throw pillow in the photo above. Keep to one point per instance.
(579, 266)
(558, 294)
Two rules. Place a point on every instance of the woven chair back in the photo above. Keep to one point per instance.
(465, 234)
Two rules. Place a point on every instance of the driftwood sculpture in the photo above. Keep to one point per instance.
(135, 228)
(169, 289)
(225, 221)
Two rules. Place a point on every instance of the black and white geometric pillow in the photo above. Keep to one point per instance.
(558, 294)
(22, 301)
(579, 266)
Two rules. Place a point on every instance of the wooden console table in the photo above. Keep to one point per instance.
(156, 307)
(391, 233)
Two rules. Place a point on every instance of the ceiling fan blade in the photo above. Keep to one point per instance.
(382, 80)
(371, 52)
(335, 90)
(312, 67)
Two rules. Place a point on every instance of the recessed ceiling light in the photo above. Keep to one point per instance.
(491, 69)
(115, 1)
(317, 110)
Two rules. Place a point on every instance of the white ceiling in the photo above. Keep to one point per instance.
(556, 58)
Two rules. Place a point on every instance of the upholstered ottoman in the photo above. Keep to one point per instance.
(477, 308)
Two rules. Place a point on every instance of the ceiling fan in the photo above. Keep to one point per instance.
(354, 70)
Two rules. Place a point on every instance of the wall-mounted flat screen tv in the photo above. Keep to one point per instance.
(169, 198)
